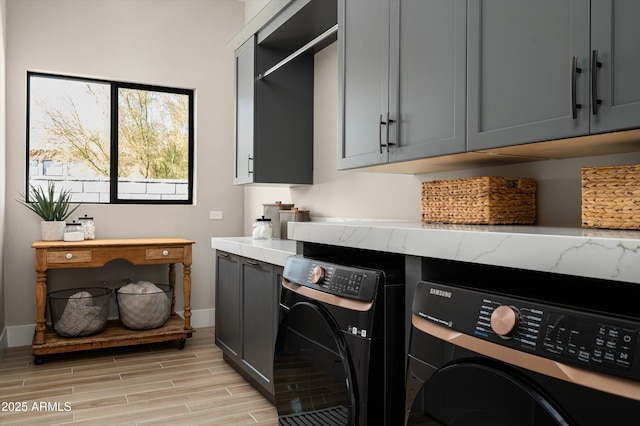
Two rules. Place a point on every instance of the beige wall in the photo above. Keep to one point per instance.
(3, 6)
(178, 43)
(340, 194)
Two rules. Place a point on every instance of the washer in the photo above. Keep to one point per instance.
(507, 347)
(339, 356)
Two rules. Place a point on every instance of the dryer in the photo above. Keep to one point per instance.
(496, 347)
(339, 355)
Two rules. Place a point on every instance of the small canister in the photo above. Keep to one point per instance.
(73, 232)
(262, 229)
(293, 215)
(88, 227)
(272, 211)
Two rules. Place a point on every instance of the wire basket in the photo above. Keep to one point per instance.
(79, 312)
(142, 311)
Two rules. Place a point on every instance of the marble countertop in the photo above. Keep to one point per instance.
(271, 251)
(607, 254)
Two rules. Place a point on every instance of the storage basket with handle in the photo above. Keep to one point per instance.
(480, 200)
(144, 305)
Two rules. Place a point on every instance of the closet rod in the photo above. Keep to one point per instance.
(300, 51)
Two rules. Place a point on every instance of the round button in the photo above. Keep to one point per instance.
(317, 274)
(165, 253)
(504, 320)
(69, 256)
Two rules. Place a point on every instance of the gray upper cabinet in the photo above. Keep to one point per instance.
(523, 85)
(274, 117)
(545, 70)
(274, 71)
(363, 66)
(614, 44)
(402, 80)
(245, 71)
(428, 78)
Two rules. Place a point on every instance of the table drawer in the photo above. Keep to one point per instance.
(69, 256)
(165, 253)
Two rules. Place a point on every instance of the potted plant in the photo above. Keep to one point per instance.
(53, 209)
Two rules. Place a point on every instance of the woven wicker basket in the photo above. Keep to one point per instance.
(486, 200)
(611, 197)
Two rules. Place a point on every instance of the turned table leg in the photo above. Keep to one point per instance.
(41, 303)
(186, 286)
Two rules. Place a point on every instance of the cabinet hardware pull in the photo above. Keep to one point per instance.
(575, 70)
(252, 263)
(224, 255)
(165, 252)
(249, 160)
(595, 64)
(69, 256)
(382, 123)
(388, 124)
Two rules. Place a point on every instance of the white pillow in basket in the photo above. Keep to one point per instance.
(143, 305)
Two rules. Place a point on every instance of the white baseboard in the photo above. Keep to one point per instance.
(4, 342)
(22, 335)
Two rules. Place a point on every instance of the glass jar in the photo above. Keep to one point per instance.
(73, 232)
(262, 229)
(88, 227)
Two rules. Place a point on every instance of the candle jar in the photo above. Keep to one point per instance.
(88, 227)
(73, 232)
(262, 229)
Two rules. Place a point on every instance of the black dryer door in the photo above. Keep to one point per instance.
(314, 380)
(479, 394)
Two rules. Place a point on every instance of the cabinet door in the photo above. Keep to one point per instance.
(245, 74)
(520, 71)
(258, 309)
(614, 39)
(428, 92)
(227, 314)
(363, 62)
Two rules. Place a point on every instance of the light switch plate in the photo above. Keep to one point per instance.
(215, 215)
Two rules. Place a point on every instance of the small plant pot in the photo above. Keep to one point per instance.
(52, 230)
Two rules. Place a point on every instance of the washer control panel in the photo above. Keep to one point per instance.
(578, 338)
(340, 280)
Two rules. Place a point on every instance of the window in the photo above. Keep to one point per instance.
(110, 142)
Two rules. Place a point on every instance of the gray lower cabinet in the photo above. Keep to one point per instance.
(247, 297)
(402, 70)
(545, 70)
(227, 328)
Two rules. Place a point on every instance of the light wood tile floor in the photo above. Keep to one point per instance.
(139, 385)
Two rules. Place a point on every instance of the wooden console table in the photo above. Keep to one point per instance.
(96, 253)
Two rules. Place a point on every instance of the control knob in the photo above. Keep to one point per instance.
(505, 320)
(317, 274)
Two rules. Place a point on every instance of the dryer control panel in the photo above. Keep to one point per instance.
(340, 280)
(583, 339)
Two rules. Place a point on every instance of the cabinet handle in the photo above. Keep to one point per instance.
(382, 123)
(223, 254)
(575, 70)
(388, 124)
(249, 160)
(165, 252)
(69, 256)
(252, 263)
(595, 64)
